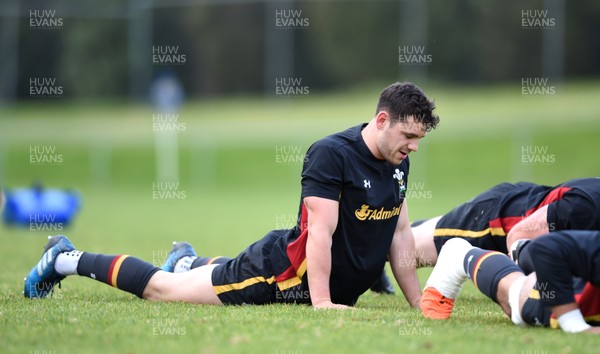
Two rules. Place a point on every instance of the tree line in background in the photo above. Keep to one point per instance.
(335, 44)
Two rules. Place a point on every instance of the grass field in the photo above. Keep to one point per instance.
(239, 171)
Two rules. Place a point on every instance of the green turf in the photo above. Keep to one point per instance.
(237, 187)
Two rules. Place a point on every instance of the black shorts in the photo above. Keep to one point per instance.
(471, 221)
(249, 277)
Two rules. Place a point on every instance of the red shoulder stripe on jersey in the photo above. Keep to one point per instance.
(554, 195)
(296, 251)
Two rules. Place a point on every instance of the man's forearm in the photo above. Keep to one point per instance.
(406, 275)
(404, 265)
(318, 266)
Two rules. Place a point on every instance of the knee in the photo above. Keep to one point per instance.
(159, 287)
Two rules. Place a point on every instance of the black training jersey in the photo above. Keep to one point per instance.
(370, 193)
(485, 220)
(577, 207)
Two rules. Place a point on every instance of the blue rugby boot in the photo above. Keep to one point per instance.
(43, 277)
(179, 250)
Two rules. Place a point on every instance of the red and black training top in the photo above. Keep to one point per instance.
(370, 193)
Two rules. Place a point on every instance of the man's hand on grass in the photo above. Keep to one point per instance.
(327, 304)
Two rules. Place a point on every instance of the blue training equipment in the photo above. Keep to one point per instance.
(40, 206)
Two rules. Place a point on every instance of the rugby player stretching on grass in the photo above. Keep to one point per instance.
(506, 213)
(352, 217)
(544, 298)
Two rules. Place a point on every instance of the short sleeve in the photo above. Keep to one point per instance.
(322, 174)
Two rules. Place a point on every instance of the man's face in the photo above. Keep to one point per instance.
(397, 140)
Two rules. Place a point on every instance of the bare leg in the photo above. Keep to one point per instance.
(194, 286)
(426, 253)
(503, 289)
(526, 290)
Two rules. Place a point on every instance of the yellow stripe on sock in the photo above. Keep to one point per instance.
(210, 261)
(115, 272)
(479, 262)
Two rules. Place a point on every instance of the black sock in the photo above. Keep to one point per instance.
(202, 261)
(487, 268)
(121, 271)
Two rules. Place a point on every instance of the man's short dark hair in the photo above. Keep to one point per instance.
(405, 99)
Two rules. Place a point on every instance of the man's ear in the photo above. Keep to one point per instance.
(381, 119)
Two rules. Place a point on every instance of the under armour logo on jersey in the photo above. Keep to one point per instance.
(399, 175)
(367, 183)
